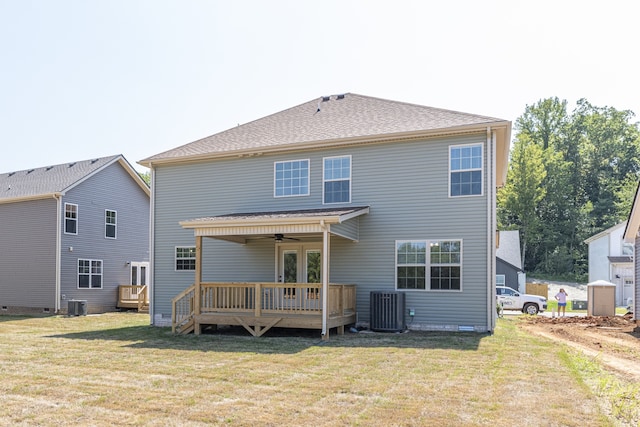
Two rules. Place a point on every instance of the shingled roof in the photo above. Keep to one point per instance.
(331, 120)
(55, 179)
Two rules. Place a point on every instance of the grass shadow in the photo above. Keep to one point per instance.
(277, 340)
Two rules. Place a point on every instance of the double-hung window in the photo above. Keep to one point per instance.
(465, 170)
(185, 258)
(291, 178)
(89, 273)
(429, 265)
(337, 179)
(70, 218)
(110, 224)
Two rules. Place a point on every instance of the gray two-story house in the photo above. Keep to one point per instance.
(346, 209)
(73, 231)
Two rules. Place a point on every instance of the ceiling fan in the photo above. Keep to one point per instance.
(278, 237)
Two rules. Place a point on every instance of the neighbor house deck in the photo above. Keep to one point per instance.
(133, 296)
(260, 306)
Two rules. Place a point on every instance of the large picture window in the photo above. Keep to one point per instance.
(291, 178)
(465, 170)
(185, 258)
(89, 273)
(337, 179)
(70, 218)
(429, 265)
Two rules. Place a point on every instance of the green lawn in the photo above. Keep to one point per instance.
(114, 369)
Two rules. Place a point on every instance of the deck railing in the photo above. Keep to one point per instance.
(133, 296)
(258, 299)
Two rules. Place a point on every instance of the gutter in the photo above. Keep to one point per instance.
(491, 231)
(58, 198)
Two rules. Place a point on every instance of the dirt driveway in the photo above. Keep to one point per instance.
(615, 341)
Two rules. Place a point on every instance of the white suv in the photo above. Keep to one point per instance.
(514, 300)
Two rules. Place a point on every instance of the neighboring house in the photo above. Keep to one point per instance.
(509, 270)
(306, 217)
(632, 235)
(74, 231)
(611, 259)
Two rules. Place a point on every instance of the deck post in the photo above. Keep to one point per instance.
(198, 280)
(258, 300)
(325, 281)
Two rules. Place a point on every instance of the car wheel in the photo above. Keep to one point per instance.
(530, 309)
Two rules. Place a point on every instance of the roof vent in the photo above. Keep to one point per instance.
(326, 98)
(341, 96)
(49, 168)
(72, 164)
(11, 173)
(29, 171)
(93, 161)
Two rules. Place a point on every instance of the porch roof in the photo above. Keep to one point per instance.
(239, 227)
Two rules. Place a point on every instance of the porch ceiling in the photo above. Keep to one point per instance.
(239, 227)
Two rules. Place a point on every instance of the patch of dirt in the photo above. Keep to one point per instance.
(615, 340)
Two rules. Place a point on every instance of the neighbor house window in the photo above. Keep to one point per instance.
(337, 179)
(465, 170)
(110, 224)
(89, 273)
(291, 178)
(70, 218)
(185, 258)
(429, 264)
(500, 280)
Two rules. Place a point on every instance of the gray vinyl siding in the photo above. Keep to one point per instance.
(636, 294)
(112, 189)
(510, 273)
(406, 186)
(28, 255)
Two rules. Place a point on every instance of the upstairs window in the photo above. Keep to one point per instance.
(89, 273)
(110, 224)
(70, 218)
(465, 170)
(337, 179)
(291, 178)
(185, 258)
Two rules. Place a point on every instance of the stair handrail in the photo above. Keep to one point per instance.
(182, 308)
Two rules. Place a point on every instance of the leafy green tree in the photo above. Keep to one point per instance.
(523, 192)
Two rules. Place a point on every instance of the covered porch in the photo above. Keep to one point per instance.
(284, 302)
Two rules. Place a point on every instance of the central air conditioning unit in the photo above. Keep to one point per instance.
(77, 308)
(387, 311)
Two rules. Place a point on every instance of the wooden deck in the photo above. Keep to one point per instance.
(260, 306)
(133, 296)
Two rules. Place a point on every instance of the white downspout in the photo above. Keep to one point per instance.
(152, 179)
(58, 199)
(491, 230)
(325, 278)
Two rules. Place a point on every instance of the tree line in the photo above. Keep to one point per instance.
(571, 175)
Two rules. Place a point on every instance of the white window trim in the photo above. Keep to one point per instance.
(175, 258)
(308, 178)
(504, 280)
(106, 224)
(467, 170)
(90, 274)
(428, 265)
(64, 225)
(331, 180)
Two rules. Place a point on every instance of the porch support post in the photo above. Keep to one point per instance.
(198, 280)
(325, 281)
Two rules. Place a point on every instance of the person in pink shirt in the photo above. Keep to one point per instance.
(561, 297)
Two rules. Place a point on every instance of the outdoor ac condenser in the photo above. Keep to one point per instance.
(77, 308)
(387, 311)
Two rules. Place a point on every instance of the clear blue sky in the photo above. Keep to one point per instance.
(82, 79)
